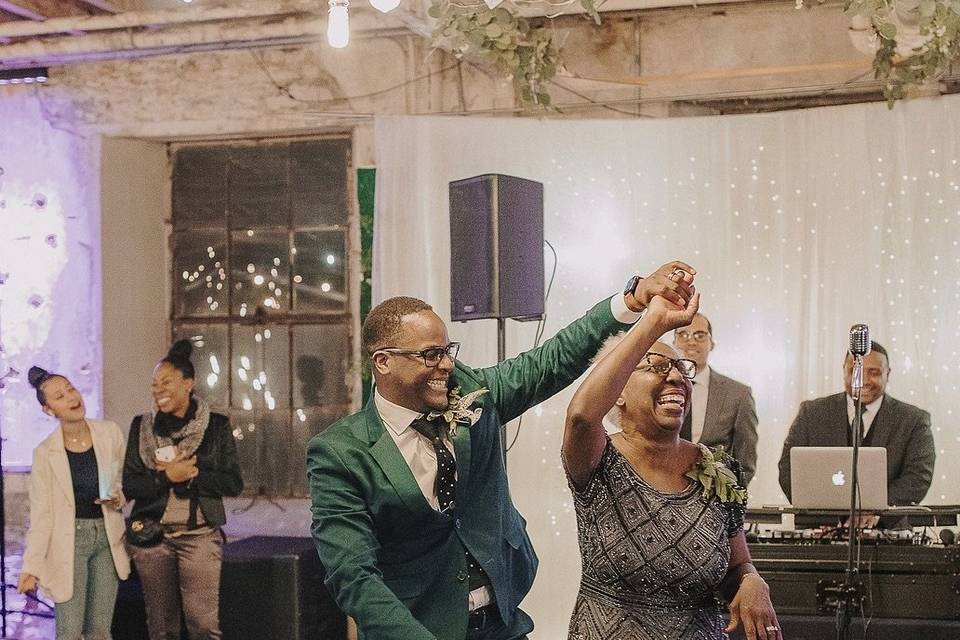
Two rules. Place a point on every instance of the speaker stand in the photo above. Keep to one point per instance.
(501, 356)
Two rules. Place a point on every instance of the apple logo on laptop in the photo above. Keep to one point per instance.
(838, 479)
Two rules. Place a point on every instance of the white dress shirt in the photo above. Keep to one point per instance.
(416, 448)
(622, 313)
(868, 415)
(698, 409)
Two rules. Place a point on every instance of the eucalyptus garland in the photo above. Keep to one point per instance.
(524, 53)
(938, 21)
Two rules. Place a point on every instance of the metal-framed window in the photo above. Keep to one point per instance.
(262, 244)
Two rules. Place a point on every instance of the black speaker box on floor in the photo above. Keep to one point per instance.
(272, 587)
(129, 617)
(496, 248)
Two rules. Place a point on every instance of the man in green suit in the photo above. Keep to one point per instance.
(412, 515)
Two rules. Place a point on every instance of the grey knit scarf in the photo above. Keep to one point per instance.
(190, 436)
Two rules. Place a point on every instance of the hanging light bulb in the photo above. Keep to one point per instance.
(385, 5)
(338, 24)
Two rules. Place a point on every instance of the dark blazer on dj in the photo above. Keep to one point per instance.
(901, 428)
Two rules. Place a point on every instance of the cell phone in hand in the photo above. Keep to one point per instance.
(166, 454)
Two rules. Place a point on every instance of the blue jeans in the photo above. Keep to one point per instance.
(90, 611)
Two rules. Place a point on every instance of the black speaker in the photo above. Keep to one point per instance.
(272, 587)
(496, 248)
(129, 616)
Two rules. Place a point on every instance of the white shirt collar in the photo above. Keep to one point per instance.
(872, 408)
(395, 417)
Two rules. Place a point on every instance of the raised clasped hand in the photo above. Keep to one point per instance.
(667, 309)
(673, 281)
(752, 608)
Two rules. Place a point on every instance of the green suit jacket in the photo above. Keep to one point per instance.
(395, 564)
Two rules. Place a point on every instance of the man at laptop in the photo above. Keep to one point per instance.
(901, 428)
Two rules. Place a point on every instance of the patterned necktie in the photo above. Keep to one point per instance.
(445, 486)
(686, 431)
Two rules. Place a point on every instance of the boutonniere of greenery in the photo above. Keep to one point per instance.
(458, 410)
(713, 472)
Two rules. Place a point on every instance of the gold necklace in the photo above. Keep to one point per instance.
(77, 439)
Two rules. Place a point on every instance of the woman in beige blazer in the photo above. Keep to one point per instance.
(75, 542)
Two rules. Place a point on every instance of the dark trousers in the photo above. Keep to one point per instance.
(181, 573)
(518, 629)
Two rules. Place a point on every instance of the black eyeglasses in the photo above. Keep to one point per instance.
(698, 336)
(663, 364)
(431, 357)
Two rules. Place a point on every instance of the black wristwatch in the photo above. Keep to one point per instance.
(631, 287)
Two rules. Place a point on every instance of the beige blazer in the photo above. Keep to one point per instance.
(50, 539)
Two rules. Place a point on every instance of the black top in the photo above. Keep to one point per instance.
(217, 462)
(86, 484)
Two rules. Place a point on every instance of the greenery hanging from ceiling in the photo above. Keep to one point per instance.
(526, 53)
(905, 69)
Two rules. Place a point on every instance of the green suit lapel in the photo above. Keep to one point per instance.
(384, 451)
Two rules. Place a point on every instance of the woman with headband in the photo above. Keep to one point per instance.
(74, 547)
(181, 461)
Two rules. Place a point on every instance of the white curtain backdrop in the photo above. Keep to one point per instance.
(800, 223)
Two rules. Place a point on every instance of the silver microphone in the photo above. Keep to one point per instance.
(859, 347)
(859, 340)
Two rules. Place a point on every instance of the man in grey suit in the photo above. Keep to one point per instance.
(901, 428)
(723, 411)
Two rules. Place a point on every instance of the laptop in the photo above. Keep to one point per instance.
(820, 477)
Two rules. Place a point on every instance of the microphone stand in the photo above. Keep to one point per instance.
(850, 591)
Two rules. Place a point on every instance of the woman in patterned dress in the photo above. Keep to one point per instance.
(657, 545)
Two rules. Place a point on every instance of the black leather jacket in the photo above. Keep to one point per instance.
(219, 475)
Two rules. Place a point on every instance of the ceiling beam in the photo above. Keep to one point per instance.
(40, 10)
(20, 10)
(118, 44)
(859, 64)
(135, 19)
(103, 5)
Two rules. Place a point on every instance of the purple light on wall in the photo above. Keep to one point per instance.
(50, 306)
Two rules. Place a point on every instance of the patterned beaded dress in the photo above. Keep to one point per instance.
(652, 561)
